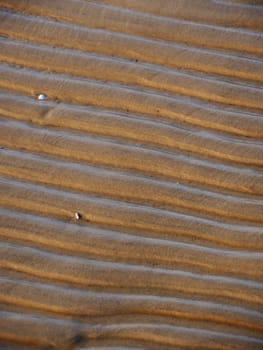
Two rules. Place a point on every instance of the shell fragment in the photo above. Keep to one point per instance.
(42, 97)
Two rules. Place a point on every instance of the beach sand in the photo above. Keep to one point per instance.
(131, 185)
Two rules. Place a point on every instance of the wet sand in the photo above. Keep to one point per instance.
(132, 195)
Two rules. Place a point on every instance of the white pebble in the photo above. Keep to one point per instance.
(77, 216)
(41, 97)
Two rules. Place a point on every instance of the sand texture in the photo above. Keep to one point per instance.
(131, 194)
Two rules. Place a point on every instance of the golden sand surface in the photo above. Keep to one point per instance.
(131, 189)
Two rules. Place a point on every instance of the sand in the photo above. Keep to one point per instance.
(131, 193)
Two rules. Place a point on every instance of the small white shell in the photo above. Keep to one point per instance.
(42, 97)
(77, 216)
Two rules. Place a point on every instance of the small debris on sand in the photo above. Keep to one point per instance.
(42, 97)
(77, 216)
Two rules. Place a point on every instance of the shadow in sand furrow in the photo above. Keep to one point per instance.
(30, 329)
(173, 167)
(173, 109)
(132, 129)
(135, 75)
(58, 237)
(120, 186)
(141, 25)
(90, 272)
(44, 31)
(66, 301)
(220, 12)
(132, 218)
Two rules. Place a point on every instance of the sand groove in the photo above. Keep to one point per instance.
(167, 107)
(132, 48)
(220, 12)
(127, 126)
(152, 131)
(109, 184)
(143, 25)
(20, 53)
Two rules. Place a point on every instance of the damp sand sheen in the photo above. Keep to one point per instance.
(131, 183)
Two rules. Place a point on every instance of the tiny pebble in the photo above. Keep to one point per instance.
(41, 97)
(77, 216)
